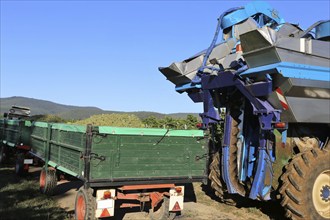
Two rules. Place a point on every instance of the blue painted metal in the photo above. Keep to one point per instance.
(267, 115)
(225, 170)
(257, 155)
(243, 160)
(292, 70)
(325, 193)
(251, 160)
(196, 97)
(226, 155)
(227, 131)
(234, 16)
(187, 86)
(227, 79)
(257, 190)
(250, 135)
(322, 30)
(284, 136)
(260, 88)
(250, 9)
(261, 185)
(215, 38)
(210, 115)
(258, 185)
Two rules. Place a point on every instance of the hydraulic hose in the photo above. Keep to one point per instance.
(215, 38)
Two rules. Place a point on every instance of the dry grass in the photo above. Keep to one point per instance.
(21, 199)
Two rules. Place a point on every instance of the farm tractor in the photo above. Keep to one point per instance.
(265, 84)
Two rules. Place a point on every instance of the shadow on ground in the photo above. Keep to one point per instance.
(21, 199)
(272, 209)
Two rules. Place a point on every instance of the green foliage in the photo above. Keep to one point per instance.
(116, 120)
(171, 123)
(47, 118)
(217, 134)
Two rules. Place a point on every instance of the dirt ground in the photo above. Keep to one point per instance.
(199, 204)
(202, 207)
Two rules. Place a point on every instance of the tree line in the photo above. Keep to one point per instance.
(189, 122)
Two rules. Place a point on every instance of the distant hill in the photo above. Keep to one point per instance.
(43, 107)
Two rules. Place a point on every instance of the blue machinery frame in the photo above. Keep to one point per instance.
(257, 152)
(267, 115)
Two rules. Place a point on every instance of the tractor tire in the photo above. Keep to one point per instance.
(235, 113)
(305, 186)
(85, 205)
(48, 181)
(215, 177)
(161, 212)
(216, 181)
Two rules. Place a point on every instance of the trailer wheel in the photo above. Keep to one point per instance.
(85, 205)
(161, 212)
(47, 181)
(306, 186)
(19, 165)
(2, 154)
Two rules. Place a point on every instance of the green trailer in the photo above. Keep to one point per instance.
(10, 132)
(120, 167)
(12, 139)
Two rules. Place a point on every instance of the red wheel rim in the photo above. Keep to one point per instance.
(80, 208)
(42, 180)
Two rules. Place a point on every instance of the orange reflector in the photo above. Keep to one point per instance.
(280, 125)
(176, 207)
(238, 48)
(26, 167)
(199, 125)
(105, 213)
(107, 195)
(178, 189)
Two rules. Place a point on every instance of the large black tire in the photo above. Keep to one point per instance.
(3, 153)
(216, 182)
(19, 165)
(48, 181)
(161, 212)
(306, 186)
(85, 205)
(235, 113)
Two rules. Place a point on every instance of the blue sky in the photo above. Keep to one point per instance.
(107, 53)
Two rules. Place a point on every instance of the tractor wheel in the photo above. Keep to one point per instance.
(306, 186)
(161, 211)
(47, 181)
(236, 126)
(85, 205)
(216, 182)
